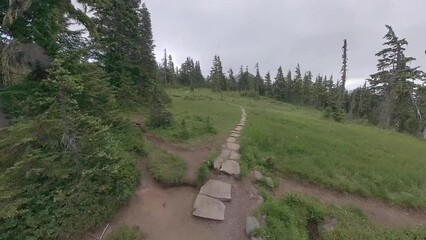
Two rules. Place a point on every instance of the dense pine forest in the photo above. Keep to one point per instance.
(68, 71)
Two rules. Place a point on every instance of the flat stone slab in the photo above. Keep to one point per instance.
(230, 167)
(218, 163)
(233, 146)
(208, 207)
(238, 128)
(234, 156)
(217, 189)
(231, 140)
(235, 135)
(225, 153)
(240, 124)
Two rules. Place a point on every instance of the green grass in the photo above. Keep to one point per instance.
(205, 115)
(289, 217)
(359, 159)
(348, 157)
(166, 168)
(127, 233)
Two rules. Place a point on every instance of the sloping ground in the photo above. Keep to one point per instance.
(377, 210)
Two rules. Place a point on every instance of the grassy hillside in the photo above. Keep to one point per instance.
(349, 157)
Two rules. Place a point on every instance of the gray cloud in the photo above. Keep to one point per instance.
(278, 32)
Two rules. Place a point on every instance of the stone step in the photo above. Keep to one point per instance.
(218, 163)
(208, 207)
(230, 167)
(231, 139)
(234, 156)
(235, 135)
(233, 146)
(217, 189)
(238, 128)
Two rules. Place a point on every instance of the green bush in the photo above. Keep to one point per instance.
(127, 233)
(166, 168)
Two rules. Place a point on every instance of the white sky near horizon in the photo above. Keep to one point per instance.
(283, 33)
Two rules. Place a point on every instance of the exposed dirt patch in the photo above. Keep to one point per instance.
(166, 213)
(379, 211)
(193, 157)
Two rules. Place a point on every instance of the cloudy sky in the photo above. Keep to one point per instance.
(286, 32)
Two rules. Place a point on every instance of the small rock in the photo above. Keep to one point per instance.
(329, 224)
(257, 175)
(251, 225)
(260, 200)
(269, 181)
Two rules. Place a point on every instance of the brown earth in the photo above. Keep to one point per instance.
(166, 213)
(377, 210)
(193, 157)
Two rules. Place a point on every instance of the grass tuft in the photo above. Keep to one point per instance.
(127, 233)
(166, 168)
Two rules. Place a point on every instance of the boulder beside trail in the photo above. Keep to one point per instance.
(257, 175)
(251, 225)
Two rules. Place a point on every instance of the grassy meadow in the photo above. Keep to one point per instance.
(344, 156)
(296, 217)
(204, 115)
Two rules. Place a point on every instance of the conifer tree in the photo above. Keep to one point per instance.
(343, 71)
(395, 83)
(232, 80)
(280, 85)
(268, 85)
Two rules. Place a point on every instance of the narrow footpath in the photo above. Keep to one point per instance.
(166, 213)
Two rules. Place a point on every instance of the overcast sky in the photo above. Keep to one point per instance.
(286, 32)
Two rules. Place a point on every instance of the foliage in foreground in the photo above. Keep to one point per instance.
(61, 168)
(166, 168)
(127, 233)
(292, 216)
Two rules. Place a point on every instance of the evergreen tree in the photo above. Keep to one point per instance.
(297, 88)
(217, 76)
(268, 85)
(343, 71)
(280, 85)
(307, 88)
(259, 84)
(232, 81)
(395, 83)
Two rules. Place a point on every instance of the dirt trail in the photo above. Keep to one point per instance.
(165, 213)
(378, 211)
(193, 157)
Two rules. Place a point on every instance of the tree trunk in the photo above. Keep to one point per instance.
(424, 132)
